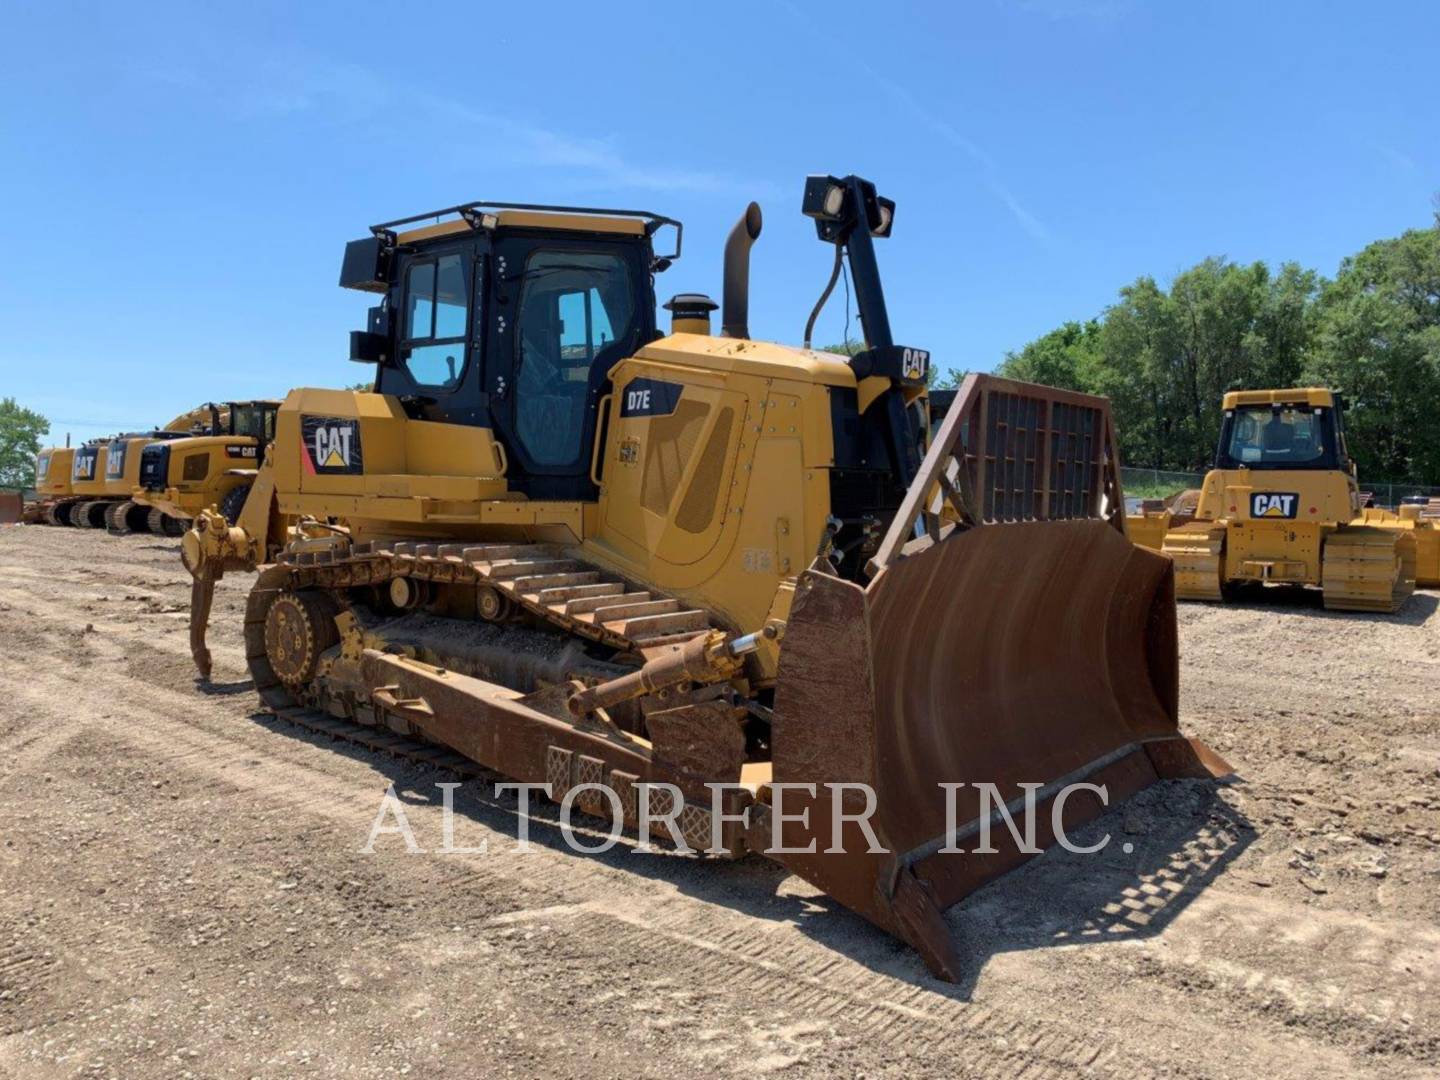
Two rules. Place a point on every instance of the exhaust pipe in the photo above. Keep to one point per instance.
(735, 319)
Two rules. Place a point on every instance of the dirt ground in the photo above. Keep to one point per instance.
(182, 891)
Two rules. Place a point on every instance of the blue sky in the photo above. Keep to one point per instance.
(179, 183)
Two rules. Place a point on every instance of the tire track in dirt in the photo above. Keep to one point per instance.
(720, 977)
(281, 779)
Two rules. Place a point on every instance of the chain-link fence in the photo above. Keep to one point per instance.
(1160, 484)
(1392, 495)
(1156, 483)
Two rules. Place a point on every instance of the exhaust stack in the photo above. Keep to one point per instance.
(735, 318)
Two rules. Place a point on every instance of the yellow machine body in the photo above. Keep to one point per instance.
(87, 470)
(122, 464)
(52, 472)
(202, 471)
(1425, 530)
(714, 504)
(1266, 523)
(206, 468)
(702, 560)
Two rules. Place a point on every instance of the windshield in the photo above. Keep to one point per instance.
(254, 421)
(1276, 435)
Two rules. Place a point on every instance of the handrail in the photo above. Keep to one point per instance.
(602, 416)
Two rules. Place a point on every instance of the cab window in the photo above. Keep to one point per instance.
(574, 307)
(435, 321)
(258, 424)
(1288, 435)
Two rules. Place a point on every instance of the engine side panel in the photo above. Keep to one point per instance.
(715, 482)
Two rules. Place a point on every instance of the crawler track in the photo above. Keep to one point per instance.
(1198, 553)
(1368, 569)
(538, 578)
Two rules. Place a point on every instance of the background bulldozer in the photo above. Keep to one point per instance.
(1282, 506)
(212, 466)
(590, 554)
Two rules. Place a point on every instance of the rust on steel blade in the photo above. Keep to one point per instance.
(1027, 653)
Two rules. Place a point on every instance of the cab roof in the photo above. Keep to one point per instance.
(1314, 396)
(489, 216)
(523, 219)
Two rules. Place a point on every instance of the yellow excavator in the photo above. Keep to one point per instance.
(53, 485)
(1281, 507)
(95, 485)
(587, 553)
(86, 509)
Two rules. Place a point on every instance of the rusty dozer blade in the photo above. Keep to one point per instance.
(1010, 636)
(12, 507)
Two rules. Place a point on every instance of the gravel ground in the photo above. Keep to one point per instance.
(182, 891)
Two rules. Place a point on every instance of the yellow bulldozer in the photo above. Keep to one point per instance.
(704, 580)
(1282, 507)
(213, 466)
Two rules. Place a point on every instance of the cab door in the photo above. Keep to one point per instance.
(565, 312)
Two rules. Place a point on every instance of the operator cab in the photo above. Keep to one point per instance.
(253, 420)
(510, 318)
(1305, 433)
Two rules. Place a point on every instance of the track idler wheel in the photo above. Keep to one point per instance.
(299, 627)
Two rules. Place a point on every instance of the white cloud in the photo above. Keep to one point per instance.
(294, 81)
(989, 171)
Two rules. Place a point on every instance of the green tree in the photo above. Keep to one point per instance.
(1066, 357)
(1165, 357)
(20, 433)
(1379, 343)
